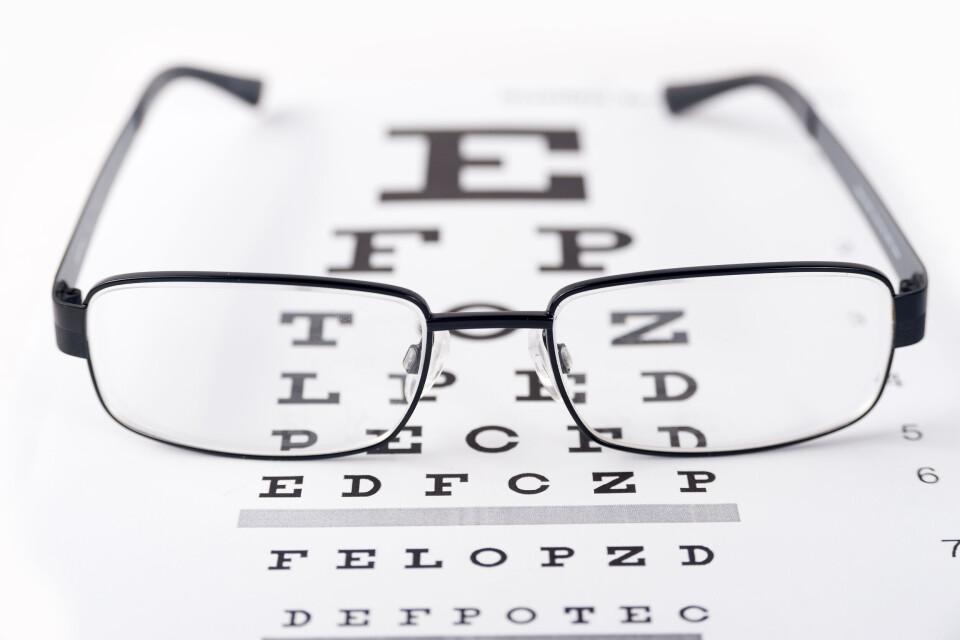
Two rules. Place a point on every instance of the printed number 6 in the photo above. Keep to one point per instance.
(927, 475)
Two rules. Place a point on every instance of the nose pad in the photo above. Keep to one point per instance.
(411, 364)
(441, 347)
(537, 344)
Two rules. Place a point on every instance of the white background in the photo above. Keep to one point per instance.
(884, 80)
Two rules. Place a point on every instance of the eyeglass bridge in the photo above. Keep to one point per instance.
(536, 321)
(461, 320)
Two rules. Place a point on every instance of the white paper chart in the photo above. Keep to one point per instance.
(490, 516)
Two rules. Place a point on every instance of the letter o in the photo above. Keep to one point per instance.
(475, 557)
(484, 336)
(531, 612)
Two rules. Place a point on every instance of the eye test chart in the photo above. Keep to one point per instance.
(490, 515)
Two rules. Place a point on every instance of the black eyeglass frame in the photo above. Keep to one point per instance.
(909, 304)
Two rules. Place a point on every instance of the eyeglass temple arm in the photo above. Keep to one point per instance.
(910, 302)
(67, 300)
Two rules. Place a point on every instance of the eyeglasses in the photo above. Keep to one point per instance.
(703, 360)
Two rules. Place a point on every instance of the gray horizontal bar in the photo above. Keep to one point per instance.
(629, 636)
(488, 516)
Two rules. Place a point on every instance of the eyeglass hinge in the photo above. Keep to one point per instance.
(915, 282)
(68, 294)
(910, 311)
(68, 318)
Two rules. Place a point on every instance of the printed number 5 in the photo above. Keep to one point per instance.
(910, 432)
(927, 475)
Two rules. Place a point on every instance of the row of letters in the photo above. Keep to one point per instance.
(691, 555)
(443, 484)
(467, 616)
(575, 244)
(488, 439)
